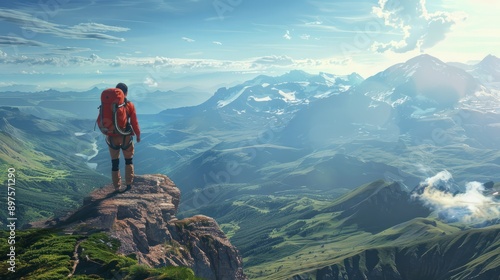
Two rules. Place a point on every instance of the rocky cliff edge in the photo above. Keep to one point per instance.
(143, 219)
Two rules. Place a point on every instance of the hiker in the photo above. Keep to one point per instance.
(117, 142)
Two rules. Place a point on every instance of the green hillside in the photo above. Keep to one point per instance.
(286, 235)
(49, 254)
(50, 178)
(469, 254)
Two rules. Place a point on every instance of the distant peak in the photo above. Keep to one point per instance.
(490, 59)
(50, 90)
(425, 58)
(299, 72)
(296, 74)
(355, 77)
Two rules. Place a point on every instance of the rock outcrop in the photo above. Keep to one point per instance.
(143, 219)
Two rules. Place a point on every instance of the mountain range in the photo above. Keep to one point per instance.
(50, 104)
(313, 176)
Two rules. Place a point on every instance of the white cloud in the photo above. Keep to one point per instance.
(72, 49)
(421, 30)
(31, 72)
(58, 61)
(6, 84)
(305, 36)
(18, 41)
(471, 206)
(217, 43)
(98, 27)
(94, 57)
(342, 61)
(142, 64)
(189, 40)
(31, 23)
(38, 61)
(281, 60)
(317, 22)
(149, 82)
(177, 63)
(287, 35)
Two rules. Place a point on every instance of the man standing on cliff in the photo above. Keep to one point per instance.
(124, 143)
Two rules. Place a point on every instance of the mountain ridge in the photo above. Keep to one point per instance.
(456, 256)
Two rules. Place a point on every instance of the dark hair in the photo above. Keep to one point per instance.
(123, 87)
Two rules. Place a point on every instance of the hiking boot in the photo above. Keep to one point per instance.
(116, 178)
(129, 174)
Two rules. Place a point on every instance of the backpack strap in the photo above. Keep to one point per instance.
(126, 109)
(118, 129)
(100, 113)
(129, 127)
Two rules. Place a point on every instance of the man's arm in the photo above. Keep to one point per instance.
(134, 122)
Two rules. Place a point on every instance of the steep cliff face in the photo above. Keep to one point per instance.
(144, 220)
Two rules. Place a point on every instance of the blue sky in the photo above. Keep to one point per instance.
(168, 44)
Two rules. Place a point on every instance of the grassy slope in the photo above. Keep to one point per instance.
(50, 178)
(281, 236)
(48, 254)
(321, 236)
(21, 155)
(293, 227)
(455, 254)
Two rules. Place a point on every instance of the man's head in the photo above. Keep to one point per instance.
(123, 87)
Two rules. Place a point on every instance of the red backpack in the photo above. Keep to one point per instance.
(113, 116)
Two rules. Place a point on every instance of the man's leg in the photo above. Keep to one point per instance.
(128, 154)
(114, 152)
(129, 172)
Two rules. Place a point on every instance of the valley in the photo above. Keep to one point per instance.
(310, 176)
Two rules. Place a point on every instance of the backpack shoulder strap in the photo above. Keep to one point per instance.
(126, 108)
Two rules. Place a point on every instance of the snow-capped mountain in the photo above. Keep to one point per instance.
(424, 83)
(277, 95)
(269, 98)
(415, 98)
(488, 71)
(487, 75)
